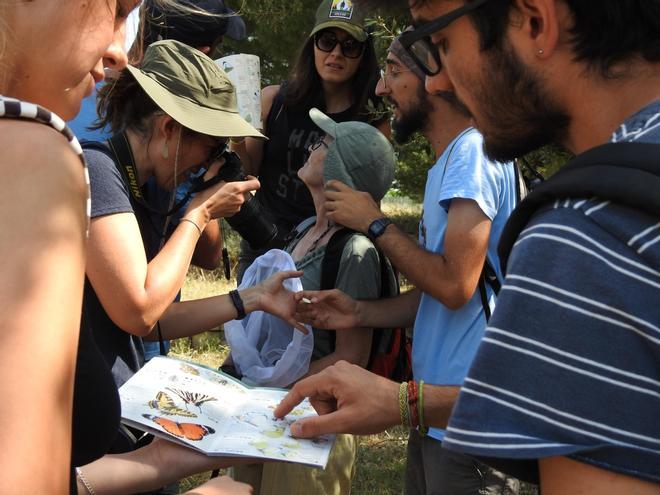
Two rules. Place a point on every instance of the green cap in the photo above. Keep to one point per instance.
(360, 156)
(341, 14)
(191, 88)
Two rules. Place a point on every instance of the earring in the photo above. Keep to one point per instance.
(540, 52)
(165, 151)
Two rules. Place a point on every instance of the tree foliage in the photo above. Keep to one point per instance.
(276, 30)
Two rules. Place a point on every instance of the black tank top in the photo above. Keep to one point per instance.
(96, 406)
(285, 199)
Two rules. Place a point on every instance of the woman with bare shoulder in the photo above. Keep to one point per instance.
(51, 56)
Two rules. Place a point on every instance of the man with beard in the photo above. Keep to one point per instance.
(577, 321)
(467, 201)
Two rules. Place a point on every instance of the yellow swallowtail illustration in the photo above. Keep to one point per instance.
(165, 404)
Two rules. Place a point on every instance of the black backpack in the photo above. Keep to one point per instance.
(391, 349)
(623, 173)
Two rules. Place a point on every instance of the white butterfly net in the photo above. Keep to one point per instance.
(266, 350)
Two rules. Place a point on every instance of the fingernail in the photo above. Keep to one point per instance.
(296, 429)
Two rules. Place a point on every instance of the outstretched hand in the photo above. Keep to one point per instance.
(273, 297)
(331, 309)
(348, 399)
(350, 208)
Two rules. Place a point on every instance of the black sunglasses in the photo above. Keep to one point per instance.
(327, 40)
(418, 42)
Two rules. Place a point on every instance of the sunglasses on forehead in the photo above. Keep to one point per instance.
(327, 40)
(418, 42)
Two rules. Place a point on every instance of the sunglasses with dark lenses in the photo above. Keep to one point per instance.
(327, 40)
(418, 42)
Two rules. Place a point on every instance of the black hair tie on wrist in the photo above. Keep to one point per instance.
(238, 304)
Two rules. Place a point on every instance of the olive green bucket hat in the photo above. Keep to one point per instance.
(360, 156)
(190, 87)
(342, 14)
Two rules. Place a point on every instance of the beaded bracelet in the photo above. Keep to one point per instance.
(412, 402)
(403, 404)
(423, 429)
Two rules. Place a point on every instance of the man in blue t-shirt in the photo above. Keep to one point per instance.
(467, 201)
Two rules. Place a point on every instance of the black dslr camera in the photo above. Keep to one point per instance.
(250, 221)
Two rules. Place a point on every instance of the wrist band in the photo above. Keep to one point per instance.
(412, 402)
(196, 226)
(84, 481)
(403, 404)
(238, 304)
(423, 429)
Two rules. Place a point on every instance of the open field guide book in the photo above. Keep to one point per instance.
(216, 414)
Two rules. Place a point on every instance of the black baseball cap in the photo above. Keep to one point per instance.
(191, 29)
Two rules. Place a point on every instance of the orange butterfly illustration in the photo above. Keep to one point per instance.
(189, 431)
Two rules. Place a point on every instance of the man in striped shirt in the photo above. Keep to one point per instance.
(568, 372)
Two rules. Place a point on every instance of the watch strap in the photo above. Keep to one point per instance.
(378, 227)
(238, 304)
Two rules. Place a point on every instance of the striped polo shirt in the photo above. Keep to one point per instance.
(570, 362)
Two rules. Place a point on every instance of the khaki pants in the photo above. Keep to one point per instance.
(283, 478)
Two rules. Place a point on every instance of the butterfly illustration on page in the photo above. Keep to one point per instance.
(166, 405)
(192, 398)
(186, 368)
(189, 431)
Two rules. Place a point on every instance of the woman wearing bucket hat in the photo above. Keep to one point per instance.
(358, 155)
(172, 114)
(336, 71)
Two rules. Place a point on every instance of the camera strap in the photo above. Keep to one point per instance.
(125, 161)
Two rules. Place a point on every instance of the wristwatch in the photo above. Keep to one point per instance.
(377, 228)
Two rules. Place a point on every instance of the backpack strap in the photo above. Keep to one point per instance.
(488, 273)
(330, 271)
(488, 276)
(624, 173)
(332, 257)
